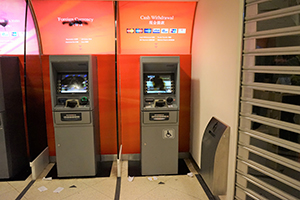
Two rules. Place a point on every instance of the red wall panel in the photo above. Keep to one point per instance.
(35, 116)
(48, 108)
(107, 104)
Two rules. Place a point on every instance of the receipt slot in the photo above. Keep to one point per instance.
(73, 80)
(159, 78)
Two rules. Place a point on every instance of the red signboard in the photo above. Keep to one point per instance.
(156, 27)
(76, 27)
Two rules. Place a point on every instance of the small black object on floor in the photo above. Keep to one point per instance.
(134, 168)
(103, 170)
(21, 176)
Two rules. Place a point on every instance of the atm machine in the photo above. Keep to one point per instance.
(13, 148)
(160, 87)
(73, 80)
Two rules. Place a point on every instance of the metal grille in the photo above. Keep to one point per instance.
(268, 158)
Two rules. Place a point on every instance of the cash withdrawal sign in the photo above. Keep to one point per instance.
(156, 27)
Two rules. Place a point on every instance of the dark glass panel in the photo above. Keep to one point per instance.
(282, 79)
(287, 98)
(289, 154)
(275, 166)
(277, 23)
(275, 183)
(249, 198)
(282, 41)
(276, 5)
(276, 114)
(276, 132)
(261, 192)
(278, 60)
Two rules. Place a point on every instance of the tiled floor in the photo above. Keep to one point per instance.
(165, 187)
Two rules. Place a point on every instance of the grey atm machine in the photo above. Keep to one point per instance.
(13, 150)
(74, 95)
(159, 78)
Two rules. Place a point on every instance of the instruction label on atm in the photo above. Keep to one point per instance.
(70, 116)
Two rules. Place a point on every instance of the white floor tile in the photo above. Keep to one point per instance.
(166, 193)
(5, 187)
(87, 194)
(9, 195)
(107, 187)
(165, 187)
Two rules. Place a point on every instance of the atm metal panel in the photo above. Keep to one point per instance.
(157, 154)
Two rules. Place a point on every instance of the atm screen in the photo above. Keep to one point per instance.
(159, 83)
(74, 83)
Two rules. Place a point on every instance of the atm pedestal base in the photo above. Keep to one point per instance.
(75, 151)
(159, 149)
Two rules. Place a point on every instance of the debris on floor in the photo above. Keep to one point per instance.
(130, 178)
(154, 178)
(58, 190)
(190, 174)
(42, 188)
(47, 179)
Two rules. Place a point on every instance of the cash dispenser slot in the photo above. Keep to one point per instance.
(72, 117)
(159, 116)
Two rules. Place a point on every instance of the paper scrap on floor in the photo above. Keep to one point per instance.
(58, 190)
(154, 178)
(47, 179)
(190, 174)
(130, 178)
(42, 188)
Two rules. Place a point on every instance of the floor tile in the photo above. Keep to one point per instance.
(19, 185)
(165, 187)
(34, 193)
(139, 186)
(92, 181)
(165, 192)
(9, 195)
(107, 187)
(5, 187)
(187, 185)
(88, 193)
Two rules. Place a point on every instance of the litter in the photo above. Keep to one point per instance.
(58, 190)
(42, 188)
(154, 178)
(47, 179)
(130, 178)
(190, 174)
